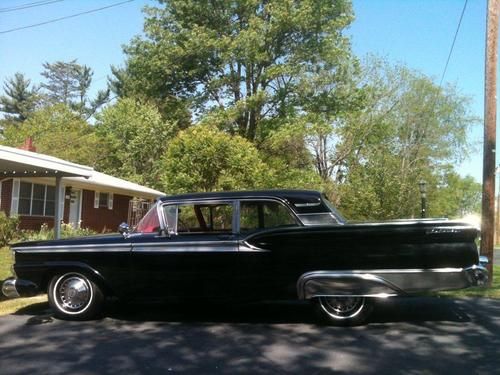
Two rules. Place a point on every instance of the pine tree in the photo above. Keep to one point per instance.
(20, 98)
(69, 83)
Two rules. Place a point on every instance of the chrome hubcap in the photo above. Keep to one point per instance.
(74, 293)
(342, 307)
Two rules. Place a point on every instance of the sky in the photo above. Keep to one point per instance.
(418, 33)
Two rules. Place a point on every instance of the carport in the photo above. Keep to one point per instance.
(20, 163)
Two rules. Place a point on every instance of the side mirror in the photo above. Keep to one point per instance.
(123, 228)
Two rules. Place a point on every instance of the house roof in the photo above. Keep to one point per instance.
(15, 162)
(21, 163)
(100, 181)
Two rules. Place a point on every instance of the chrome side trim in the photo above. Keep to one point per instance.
(386, 283)
(184, 243)
(187, 247)
(344, 283)
(118, 247)
(244, 246)
(183, 249)
(75, 250)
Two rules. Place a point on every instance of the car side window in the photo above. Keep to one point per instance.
(200, 218)
(255, 215)
(149, 223)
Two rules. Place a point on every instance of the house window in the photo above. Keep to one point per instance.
(36, 199)
(103, 200)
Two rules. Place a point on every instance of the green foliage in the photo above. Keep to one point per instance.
(454, 196)
(57, 131)
(134, 136)
(243, 61)
(409, 130)
(290, 164)
(8, 228)
(69, 83)
(203, 158)
(46, 233)
(19, 100)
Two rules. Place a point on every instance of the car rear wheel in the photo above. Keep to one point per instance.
(344, 311)
(73, 296)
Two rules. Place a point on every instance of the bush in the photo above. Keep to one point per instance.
(46, 233)
(8, 228)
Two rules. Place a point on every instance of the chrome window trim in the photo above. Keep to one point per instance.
(270, 199)
(231, 202)
(330, 214)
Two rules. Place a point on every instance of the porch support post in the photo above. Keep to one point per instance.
(57, 209)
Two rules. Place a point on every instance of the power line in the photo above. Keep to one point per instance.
(29, 5)
(66, 17)
(453, 44)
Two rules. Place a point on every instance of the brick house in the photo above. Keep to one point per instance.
(43, 189)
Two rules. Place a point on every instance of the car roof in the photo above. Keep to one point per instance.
(298, 199)
(280, 193)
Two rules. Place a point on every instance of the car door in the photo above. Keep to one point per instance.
(267, 270)
(193, 257)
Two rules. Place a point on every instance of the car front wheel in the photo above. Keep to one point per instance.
(74, 296)
(343, 311)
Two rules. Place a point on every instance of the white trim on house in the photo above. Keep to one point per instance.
(21, 163)
(14, 201)
(109, 184)
(15, 162)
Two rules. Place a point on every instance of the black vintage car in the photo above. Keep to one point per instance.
(254, 245)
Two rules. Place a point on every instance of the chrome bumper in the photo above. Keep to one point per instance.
(14, 288)
(478, 274)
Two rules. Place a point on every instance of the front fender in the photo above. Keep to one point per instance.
(42, 273)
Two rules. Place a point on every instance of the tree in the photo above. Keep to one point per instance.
(58, 131)
(241, 61)
(454, 196)
(203, 158)
(69, 83)
(410, 129)
(135, 136)
(20, 98)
